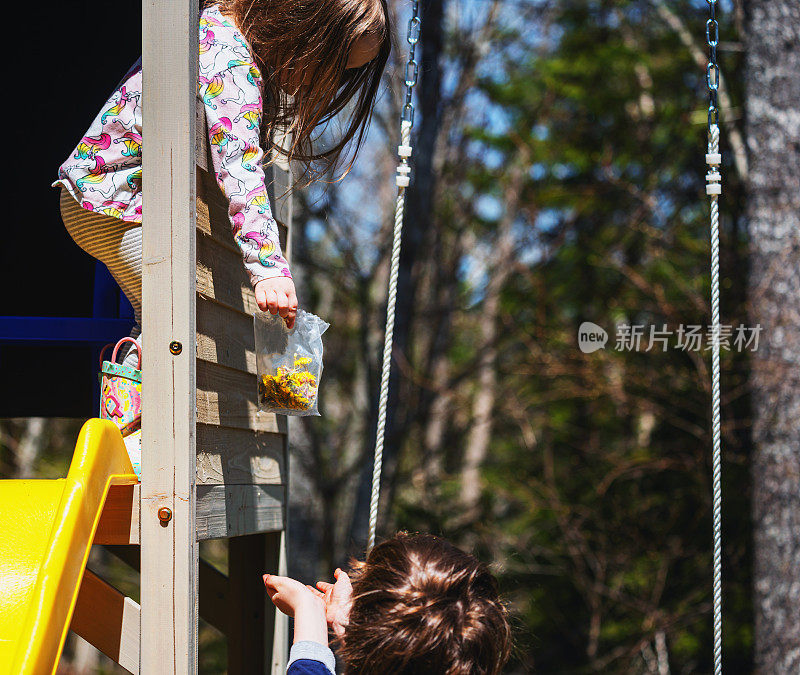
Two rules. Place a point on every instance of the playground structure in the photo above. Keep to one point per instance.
(213, 466)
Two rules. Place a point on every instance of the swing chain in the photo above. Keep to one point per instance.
(712, 70)
(403, 177)
(412, 67)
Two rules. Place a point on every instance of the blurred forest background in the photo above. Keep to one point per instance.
(559, 178)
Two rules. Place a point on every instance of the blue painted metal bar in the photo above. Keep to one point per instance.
(14, 329)
(125, 307)
(105, 294)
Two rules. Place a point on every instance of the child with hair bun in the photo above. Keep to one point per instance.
(417, 606)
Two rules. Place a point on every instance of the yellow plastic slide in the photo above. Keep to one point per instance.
(46, 532)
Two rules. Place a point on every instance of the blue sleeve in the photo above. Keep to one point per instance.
(311, 658)
(307, 667)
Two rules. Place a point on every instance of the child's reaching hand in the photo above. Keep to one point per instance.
(301, 602)
(338, 597)
(277, 296)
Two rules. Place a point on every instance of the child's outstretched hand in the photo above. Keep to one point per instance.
(289, 595)
(301, 602)
(338, 598)
(277, 296)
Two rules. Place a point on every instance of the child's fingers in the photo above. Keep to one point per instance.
(272, 300)
(324, 586)
(261, 298)
(283, 303)
(275, 582)
(343, 578)
(291, 304)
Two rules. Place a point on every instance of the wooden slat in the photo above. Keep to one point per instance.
(119, 522)
(169, 552)
(239, 456)
(201, 135)
(221, 276)
(227, 397)
(212, 211)
(225, 336)
(109, 620)
(236, 510)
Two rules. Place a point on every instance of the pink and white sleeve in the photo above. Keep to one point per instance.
(233, 106)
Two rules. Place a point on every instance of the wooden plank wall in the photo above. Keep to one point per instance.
(242, 454)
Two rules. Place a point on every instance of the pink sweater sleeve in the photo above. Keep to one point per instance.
(230, 87)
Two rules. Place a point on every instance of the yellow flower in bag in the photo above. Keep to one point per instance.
(291, 388)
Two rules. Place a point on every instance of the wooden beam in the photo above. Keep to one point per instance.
(201, 135)
(237, 510)
(278, 542)
(277, 627)
(119, 522)
(109, 620)
(169, 547)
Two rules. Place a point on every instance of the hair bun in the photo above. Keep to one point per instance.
(421, 605)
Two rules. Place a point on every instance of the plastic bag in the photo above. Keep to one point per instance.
(289, 363)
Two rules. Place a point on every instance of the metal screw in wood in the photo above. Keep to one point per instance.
(164, 516)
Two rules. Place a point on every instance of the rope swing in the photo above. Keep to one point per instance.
(402, 179)
(714, 190)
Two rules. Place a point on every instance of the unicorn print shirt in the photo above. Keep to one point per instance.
(104, 172)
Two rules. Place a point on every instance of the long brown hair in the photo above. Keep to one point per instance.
(422, 606)
(289, 38)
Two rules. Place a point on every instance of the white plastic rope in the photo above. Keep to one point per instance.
(714, 189)
(402, 180)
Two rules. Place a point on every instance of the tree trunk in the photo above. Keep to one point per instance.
(30, 446)
(773, 131)
(480, 434)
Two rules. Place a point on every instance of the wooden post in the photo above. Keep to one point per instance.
(277, 543)
(278, 623)
(169, 545)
